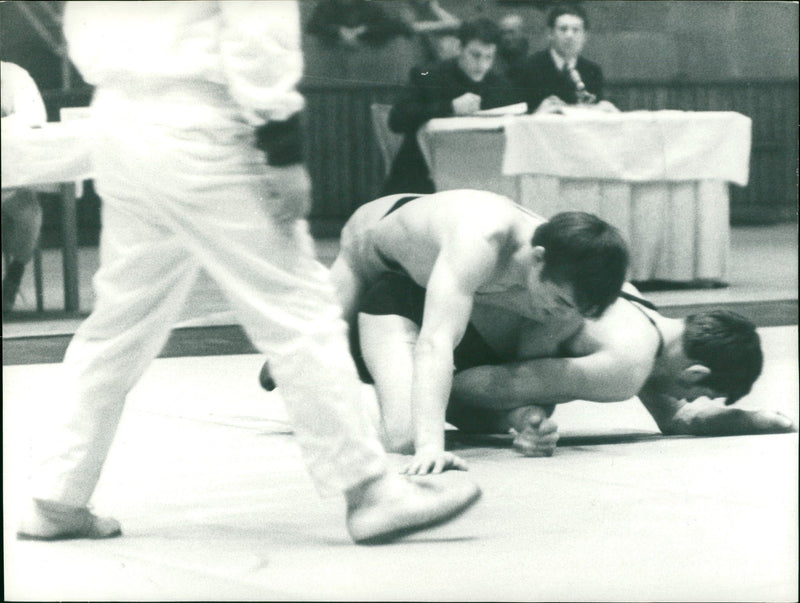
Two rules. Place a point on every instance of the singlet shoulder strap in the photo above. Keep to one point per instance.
(400, 203)
(639, 300)
(639, 303)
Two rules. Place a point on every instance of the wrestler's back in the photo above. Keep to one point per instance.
(412, 235)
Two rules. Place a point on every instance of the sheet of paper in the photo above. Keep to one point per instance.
(516, 109)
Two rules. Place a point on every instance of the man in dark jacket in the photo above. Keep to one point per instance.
(459, 86)
(560, 75)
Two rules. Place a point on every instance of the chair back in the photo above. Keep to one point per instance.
(389, 142)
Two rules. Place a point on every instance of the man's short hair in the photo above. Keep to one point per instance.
(567, 8)
(728, 344)
(484, 30)
(586, 252)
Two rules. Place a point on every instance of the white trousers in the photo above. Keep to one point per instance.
(177, 199)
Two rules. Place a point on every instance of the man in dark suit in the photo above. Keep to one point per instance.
(560, 75)
(459, 86)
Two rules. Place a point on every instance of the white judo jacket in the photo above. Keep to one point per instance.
(256, 57)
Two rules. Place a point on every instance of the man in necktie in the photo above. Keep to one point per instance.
(560, 76)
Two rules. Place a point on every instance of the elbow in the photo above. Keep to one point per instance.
(625, 385)
(675, 426)
(619, 390)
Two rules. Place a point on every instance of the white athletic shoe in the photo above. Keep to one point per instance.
(48, 520)
(394, 506)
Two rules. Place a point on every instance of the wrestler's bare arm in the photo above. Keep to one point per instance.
(464, 264)
(679, 417)
(609, 363)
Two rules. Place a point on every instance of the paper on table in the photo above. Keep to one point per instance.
(516, 109)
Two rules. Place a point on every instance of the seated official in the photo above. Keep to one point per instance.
(560, 76)
(22, 108)
(459, 86)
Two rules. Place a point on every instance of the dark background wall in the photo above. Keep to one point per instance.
(689, 55)
(689, 40)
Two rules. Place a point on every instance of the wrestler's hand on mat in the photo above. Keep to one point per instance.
(774, 422)
(433, 460)
(538, 438)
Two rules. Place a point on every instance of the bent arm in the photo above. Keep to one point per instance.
(678, 417)
(598, 377)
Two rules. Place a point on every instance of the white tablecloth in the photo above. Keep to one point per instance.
(660, 177)
(640, 146)
(57, 152)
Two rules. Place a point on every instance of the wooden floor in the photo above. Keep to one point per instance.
(216, 505)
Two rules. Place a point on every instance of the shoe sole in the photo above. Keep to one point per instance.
(393, 535)
(67, 536)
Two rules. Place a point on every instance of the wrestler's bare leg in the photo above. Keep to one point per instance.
(387, 345)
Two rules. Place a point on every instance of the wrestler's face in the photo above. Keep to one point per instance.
(548, 299)
(686, 381)
(568, 36)
(690, 392)
(476, 59)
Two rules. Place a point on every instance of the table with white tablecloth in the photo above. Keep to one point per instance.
(661, 177)
(57, 153)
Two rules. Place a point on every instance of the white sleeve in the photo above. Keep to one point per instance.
(262, 57)
(22, 103)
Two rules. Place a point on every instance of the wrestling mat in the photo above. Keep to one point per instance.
(215, 504)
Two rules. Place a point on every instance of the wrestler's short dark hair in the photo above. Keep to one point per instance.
(484, 30)
(586, 252)
(728, 344)
(567, 8)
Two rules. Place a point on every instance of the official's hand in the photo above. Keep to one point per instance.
(433, 461)
(552, 104)
(538, 438)
(289, 193)
(466, 103)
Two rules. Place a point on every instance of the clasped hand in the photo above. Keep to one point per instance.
(538, 436)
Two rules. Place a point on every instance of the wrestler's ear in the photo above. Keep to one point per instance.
(695, 373)
(537, 254)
